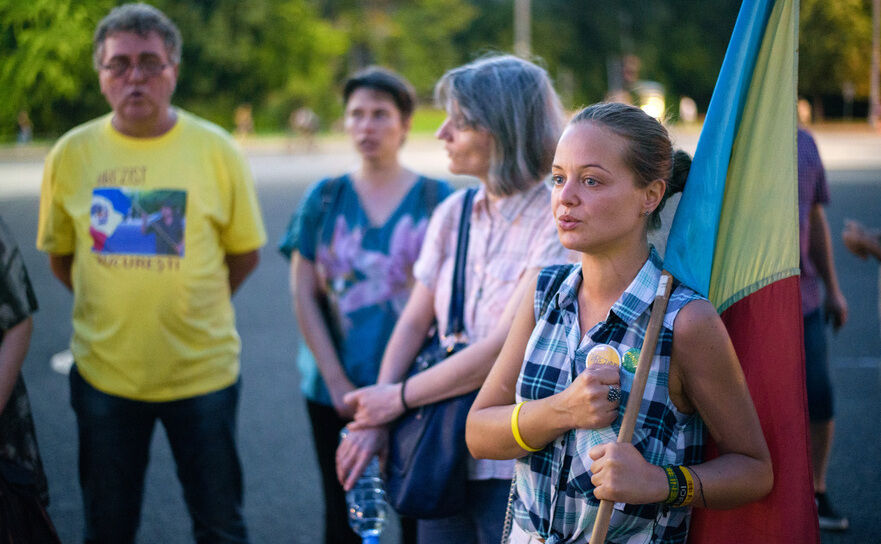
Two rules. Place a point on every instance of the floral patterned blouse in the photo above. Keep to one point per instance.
(366, 270)
(19, 457)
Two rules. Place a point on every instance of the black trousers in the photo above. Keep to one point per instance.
(326, 427)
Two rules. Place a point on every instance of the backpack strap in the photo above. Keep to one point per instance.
(330, 193)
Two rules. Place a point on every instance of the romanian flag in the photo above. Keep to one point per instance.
(108, 210)
(735, 239)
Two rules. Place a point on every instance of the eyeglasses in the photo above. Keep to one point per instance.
(149, 66)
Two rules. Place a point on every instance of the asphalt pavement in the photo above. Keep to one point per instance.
(283, 497)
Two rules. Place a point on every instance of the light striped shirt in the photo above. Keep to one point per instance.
(507, 236)
(554, 494)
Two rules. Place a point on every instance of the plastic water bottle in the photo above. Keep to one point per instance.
(367, 503)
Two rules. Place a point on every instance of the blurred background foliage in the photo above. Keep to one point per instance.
(279, 55)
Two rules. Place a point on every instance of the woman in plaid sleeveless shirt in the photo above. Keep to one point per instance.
(547, 406)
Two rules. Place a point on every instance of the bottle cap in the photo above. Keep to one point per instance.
(603, 354)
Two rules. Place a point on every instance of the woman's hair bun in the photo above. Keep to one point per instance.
(681, 166)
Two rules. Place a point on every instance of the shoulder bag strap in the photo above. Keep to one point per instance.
(455, 318)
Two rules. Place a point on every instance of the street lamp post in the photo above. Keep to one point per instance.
(522, 31)
(874, 98)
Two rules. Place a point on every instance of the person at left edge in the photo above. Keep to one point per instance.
(153, 334)
(352, 245)
(24, 491)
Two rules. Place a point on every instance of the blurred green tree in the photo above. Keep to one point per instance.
(418, 38)
(46, 63)
(276, 55)
(835, 45)
(680, 43)
(423, 42)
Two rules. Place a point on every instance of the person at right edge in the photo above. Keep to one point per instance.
(817, 266)
(863, 242)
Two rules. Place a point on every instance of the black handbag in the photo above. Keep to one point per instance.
(427, 465)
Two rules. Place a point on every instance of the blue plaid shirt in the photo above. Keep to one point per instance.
(554, 495)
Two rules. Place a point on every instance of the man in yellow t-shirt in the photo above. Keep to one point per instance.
(150, 218)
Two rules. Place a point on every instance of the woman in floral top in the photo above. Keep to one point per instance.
(352, 245)
(548, 405)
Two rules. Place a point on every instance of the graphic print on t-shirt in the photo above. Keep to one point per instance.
(139, 222)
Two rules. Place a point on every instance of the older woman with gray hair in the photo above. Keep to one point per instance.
(503, 121)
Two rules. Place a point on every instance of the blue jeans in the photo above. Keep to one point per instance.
(481, 522)
(114, 447)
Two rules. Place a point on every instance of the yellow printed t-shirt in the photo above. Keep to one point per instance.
(149, 222)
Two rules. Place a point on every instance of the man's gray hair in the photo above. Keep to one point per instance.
(514, 101)
(142, 19)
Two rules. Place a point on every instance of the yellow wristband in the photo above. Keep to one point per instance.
(689, 495)
(515, 428)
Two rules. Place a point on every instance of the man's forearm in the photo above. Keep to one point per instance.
(240, 266)
(61, 266)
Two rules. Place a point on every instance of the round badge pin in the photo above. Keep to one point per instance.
(603, 354)
(631, 360)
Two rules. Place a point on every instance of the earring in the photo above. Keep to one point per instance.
(645, 213)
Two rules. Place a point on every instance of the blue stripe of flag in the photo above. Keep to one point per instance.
(692, 240)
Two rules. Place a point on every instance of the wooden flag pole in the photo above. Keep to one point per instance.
(634, 400)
